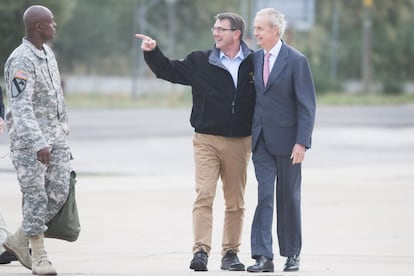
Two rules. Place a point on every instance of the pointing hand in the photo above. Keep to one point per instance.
(148, 44)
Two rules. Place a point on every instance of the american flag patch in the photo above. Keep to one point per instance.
(21, 75)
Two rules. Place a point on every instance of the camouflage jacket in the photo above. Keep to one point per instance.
(36, 115)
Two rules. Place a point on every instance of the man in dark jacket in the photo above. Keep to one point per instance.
(223, 102)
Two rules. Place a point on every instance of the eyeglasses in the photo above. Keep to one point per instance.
(220, 29)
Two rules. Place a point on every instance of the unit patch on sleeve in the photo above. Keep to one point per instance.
(19, 83)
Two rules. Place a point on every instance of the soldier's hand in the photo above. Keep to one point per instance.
(43, 156)
(148, 44)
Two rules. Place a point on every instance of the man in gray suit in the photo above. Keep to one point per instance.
(282, 127)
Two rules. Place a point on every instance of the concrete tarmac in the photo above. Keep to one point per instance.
(135, 194)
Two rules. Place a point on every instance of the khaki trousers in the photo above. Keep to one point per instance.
(225, 157)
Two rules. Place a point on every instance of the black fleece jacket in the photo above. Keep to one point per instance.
(218, 107)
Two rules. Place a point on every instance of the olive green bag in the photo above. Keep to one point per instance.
(65, 225)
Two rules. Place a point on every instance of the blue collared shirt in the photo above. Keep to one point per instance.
(232, 64)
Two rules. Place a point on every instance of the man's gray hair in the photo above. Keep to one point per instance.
(276, 18)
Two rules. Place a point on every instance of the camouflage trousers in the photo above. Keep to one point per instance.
(44, 188)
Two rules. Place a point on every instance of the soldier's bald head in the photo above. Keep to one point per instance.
(35, 14)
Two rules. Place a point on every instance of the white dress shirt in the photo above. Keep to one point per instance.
(275, 52)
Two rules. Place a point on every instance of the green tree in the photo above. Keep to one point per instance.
(11, 22)
(392, 43)
(99, 38)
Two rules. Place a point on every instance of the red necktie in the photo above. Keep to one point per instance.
(266, 68)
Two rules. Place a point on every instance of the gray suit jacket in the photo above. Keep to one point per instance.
(285, 108)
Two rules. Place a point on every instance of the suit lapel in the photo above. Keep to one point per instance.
(279, 65)
(258, 68)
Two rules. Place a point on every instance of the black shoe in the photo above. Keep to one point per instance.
(7, 257)
(262, 264)
(231, 262)
(292, 264)
(199, 262)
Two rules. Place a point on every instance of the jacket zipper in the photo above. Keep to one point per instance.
(233, 103)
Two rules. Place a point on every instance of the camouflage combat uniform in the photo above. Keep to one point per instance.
(36, 119)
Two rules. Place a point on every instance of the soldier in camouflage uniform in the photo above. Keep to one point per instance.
(37, 127)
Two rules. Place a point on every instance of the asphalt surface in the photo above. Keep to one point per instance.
(135, 193)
